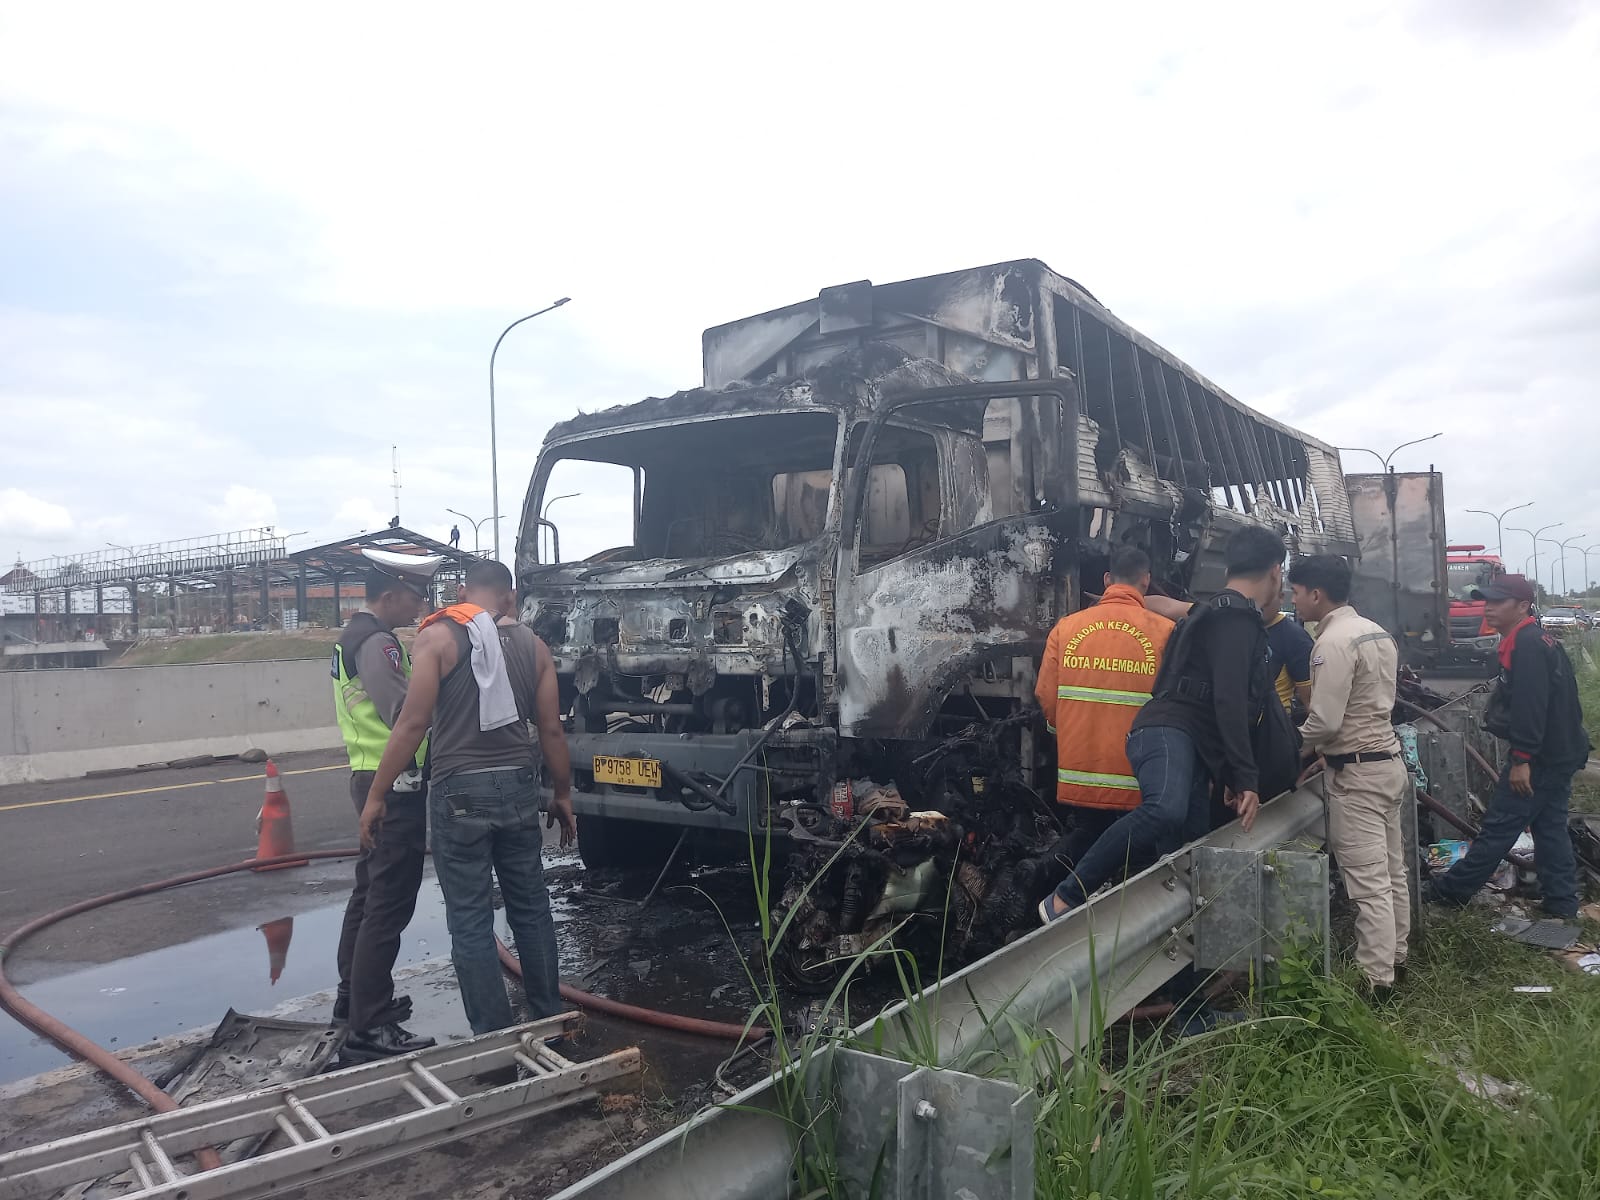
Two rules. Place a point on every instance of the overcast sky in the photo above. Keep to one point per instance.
(243, 250)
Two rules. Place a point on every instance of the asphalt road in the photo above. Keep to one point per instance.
(72, 839)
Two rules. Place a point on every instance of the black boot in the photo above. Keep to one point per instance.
(386, 1041)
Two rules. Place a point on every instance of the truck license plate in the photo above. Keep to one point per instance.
(627, 772)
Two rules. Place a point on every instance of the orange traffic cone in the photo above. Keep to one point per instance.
(274, 829)
(277, 934)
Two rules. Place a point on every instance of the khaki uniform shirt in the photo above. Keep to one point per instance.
(1353, 669)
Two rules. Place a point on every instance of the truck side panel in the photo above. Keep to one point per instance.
(1400, 580)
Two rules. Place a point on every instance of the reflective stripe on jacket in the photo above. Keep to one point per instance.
(1099, 666)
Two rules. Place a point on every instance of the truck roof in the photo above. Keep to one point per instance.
(840, 384)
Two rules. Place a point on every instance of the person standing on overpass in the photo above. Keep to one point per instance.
(1098, 667)
(1354, 665)
(370, 672)
(479, 677)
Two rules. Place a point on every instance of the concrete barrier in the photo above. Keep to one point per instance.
(61, 724)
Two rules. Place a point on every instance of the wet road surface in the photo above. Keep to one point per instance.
(174, 962)
(72, 839)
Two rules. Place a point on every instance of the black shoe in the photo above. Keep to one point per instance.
(386, 1041)
(341, 1010)
(1430, 894)
(1400, 973)
(1379, 995)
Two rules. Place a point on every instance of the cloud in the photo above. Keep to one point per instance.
(244, 508)
(28, 516)
(1372, 220)
(359, 514)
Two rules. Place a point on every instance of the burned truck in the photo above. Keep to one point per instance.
(813, 591)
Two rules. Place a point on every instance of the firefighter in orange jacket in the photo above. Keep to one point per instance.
(1099, 666)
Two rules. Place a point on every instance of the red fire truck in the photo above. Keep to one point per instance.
(1471, 639)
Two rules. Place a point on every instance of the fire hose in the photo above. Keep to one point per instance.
(81, 1047)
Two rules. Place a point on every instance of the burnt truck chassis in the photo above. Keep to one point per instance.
(761, 677)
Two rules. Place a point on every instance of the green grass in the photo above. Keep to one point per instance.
(1318, 1094)
(229, 647)
(1321, 1096)
(1586, 662)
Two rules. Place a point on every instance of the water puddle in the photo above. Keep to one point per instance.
(253, 968)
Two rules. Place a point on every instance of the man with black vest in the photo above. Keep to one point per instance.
(1200, 727)
(370, 671)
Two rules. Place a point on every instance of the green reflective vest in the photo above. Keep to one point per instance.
(365, 734)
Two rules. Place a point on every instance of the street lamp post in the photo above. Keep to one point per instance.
(1587, 578)
(494, 454)
(1499, 536)
(1563, 544)
(1535, 534)
(477, 527)
(544, 520)
(1384, 458)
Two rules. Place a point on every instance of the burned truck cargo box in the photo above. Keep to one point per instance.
(842, 554)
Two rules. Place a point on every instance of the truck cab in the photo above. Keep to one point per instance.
(1472, 641)
(839, 557)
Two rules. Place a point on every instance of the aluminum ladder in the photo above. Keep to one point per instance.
(430, 1088)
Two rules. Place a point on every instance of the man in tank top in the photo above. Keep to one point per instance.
(478, 678)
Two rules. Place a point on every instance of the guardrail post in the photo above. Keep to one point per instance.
(904, 1132)
(1249, 905)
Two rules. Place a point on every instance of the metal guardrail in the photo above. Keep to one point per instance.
(1087, 969)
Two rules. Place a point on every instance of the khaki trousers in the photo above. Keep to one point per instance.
(1364, 834)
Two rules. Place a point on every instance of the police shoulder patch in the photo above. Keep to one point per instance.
(1316, 660)
(393, 651)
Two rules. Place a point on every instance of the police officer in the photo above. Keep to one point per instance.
(1353, 669)
(370, 671)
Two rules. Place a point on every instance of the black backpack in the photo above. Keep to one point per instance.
(1274, 740)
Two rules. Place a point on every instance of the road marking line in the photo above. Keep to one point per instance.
(170, 787)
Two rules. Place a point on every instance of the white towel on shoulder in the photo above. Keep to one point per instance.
(497, 704)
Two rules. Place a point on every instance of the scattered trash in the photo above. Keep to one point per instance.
(1541, 989)
(1443, 855)
(1487, 1087)
(1551, 934)
(1589, 963)
(1408, 751)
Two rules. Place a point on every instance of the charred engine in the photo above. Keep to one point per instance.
(945, 868)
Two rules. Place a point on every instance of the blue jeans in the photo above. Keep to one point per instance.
(484, 819)
(1545, 813)
(1175, 808)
